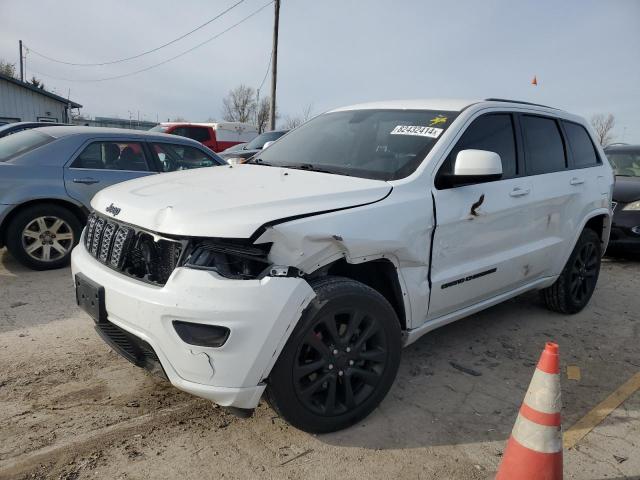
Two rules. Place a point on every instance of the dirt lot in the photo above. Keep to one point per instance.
(71, 408)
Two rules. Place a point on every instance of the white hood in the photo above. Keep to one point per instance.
(231, 202)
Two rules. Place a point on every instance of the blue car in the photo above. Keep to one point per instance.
(48, 176)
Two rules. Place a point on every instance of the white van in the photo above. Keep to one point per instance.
(301, 274)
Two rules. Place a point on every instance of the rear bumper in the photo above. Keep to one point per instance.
(260, 315)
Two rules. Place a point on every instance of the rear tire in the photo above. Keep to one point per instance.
(340, 360)
(573, 289)
(42, 236)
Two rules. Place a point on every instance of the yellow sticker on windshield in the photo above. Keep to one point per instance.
(440, 119)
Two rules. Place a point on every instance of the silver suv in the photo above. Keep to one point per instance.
(49, 175)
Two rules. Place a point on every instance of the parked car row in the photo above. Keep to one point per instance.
(349, 237)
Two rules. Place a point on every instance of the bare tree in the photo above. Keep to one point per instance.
(291, 122)
(294, 121)
(603, 127)
(7, 69)
(262, 114)
(307, 112)
(239, 105)
(179, 119)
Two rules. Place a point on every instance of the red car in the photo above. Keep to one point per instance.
(217, 136)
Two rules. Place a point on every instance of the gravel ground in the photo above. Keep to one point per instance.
(71, 408)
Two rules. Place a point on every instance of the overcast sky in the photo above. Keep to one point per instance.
(335, 52)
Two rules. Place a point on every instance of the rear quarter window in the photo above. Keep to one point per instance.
(583, 152)
(20, 143)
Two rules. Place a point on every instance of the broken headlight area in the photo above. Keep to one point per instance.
(151, 260)
(229, 259)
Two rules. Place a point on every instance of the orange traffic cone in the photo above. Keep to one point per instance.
(534, 450)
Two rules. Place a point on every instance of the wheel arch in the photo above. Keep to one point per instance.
(78, 210)
(600, 222)
(380, 274)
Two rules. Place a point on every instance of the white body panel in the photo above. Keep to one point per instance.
(233, 201)
(522, 233)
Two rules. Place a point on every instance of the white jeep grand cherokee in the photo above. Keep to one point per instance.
(302, 274)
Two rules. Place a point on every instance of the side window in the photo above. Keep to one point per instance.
(543, 146)
(112, 156)
(174, 157)
(200, 134)
(582, 150)
(494, 133)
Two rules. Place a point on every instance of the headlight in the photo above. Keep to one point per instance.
(632, 206)
(231, 260)
(235, 160)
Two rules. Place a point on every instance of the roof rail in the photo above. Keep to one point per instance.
(517, 101)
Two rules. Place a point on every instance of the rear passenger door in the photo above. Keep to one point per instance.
(481, 228)
(558, 193)
(103, 163)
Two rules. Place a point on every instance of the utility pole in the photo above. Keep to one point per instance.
(274, 65)
(21, 64)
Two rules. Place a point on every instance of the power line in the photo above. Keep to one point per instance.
(140, 54)
(264, 79)
(165, 61)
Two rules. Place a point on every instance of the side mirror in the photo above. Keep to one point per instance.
(266, 144)
(476, 166)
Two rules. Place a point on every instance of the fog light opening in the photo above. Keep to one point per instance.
(200, 334)
(636, 229)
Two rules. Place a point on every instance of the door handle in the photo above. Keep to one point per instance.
(519, 192)
(86, 181)
(576, 181)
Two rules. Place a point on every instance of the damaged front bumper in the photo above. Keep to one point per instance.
(260, 315)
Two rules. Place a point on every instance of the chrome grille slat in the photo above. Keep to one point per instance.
(97, 236)
(91, 224)
(122, 238)
(105, 245)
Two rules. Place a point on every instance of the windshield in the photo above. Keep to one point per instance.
(22, 142)
(159, 128)
(625, 163)
(258, 142)
(376, 144)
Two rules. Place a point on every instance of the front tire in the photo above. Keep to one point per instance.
(42, 236)
(340, 360)
(573, 289)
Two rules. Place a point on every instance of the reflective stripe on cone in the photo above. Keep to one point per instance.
(534, 450)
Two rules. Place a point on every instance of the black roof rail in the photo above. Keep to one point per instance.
(517, 101)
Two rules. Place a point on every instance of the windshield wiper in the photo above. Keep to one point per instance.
(312, 168)
(259, 161)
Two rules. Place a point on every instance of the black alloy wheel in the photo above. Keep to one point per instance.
(574, 287)
(340, 360)
(584, 273)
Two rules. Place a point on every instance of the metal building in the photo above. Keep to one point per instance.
(22, 102)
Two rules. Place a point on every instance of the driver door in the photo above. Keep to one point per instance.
(479, 245)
